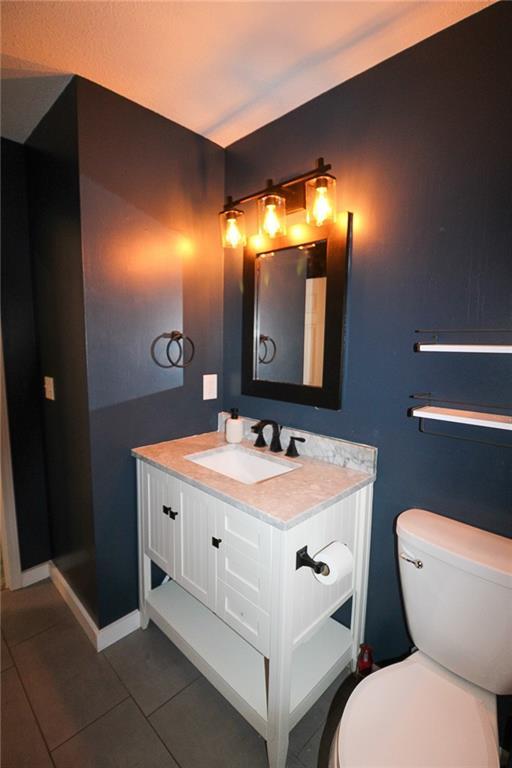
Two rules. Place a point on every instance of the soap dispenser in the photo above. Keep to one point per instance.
(234, 427)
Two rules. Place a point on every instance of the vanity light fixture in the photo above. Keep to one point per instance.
(232, 225)
(321, 200)
(314, 191)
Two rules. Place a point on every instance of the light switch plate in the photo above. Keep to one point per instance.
(210, 386)
(49, 388)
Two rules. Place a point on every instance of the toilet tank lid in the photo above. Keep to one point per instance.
(485, 554)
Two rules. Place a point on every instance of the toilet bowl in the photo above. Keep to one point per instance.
(437, 709)
(415, 714)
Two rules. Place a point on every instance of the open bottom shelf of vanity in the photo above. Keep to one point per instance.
(316, 663)
(237, 669)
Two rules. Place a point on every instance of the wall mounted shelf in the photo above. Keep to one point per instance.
(496, 349)
(457, 416)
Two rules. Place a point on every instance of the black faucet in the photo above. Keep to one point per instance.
(275, 444)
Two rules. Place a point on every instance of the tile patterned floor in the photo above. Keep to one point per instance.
(138, 704)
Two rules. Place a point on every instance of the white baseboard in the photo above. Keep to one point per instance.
(100, 638)
(35, 574)
(118, 629)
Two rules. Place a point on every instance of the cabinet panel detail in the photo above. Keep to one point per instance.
(195, 566)
(244, 575)
(244, 533)
(159, 531)
(247, 619)
(313, 602)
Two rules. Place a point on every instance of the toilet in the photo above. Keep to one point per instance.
(437, 709)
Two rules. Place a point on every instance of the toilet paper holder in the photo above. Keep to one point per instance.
(304, 559)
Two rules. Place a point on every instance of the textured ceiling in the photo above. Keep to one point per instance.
(222, 69)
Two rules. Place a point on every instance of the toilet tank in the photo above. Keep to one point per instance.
(458, 596)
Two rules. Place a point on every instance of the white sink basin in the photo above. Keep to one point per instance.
(242, 464)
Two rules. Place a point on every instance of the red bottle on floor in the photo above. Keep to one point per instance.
(364, 660)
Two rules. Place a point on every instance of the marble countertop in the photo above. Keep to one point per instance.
(282, 501)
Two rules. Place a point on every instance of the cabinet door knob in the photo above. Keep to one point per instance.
(216, 542)
(169, 511)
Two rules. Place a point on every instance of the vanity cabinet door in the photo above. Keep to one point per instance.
(162, 501)
(243, 559)
(195, 561)
(243, 575)
(244, 617)
(245, 533)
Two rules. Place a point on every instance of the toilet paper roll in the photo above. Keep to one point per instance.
(339, 559)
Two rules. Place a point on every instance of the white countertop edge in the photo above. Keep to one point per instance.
(254, 511)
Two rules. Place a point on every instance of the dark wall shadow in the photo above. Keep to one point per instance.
(28, 92)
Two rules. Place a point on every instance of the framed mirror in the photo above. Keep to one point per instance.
(294, 314)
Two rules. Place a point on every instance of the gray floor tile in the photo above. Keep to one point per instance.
(122, 738)
(309, 755)
(315, 753)
(201, 729)
(293, 762)
(5, 656)
(151, 667)
(69, 685)
(25, 612)
(22, 743)
(314, 719)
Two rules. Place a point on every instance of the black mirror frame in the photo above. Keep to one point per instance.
(339, 249)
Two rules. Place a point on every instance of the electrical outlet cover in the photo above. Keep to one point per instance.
(210, 386)
(49, 388)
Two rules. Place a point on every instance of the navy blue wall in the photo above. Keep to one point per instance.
(125, 239)
(421, 148)
(58, 284)
(21, 364)
(150, 193)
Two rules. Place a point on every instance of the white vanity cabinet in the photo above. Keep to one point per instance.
(256, 626)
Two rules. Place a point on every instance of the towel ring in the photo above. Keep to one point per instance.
(175, 338)
(266, 359)
(153, 351)
(176, 360)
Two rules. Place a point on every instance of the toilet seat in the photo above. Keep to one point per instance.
(416, 713)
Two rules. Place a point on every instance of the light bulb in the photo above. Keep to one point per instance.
(233, 234)
(232, 228)
(321, 200)
(271, 224)
(272, 215)
(322, 209)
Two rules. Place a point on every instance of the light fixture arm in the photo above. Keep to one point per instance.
(321, 169)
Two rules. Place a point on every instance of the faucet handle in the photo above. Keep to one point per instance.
(292, 448)
(260, 440)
